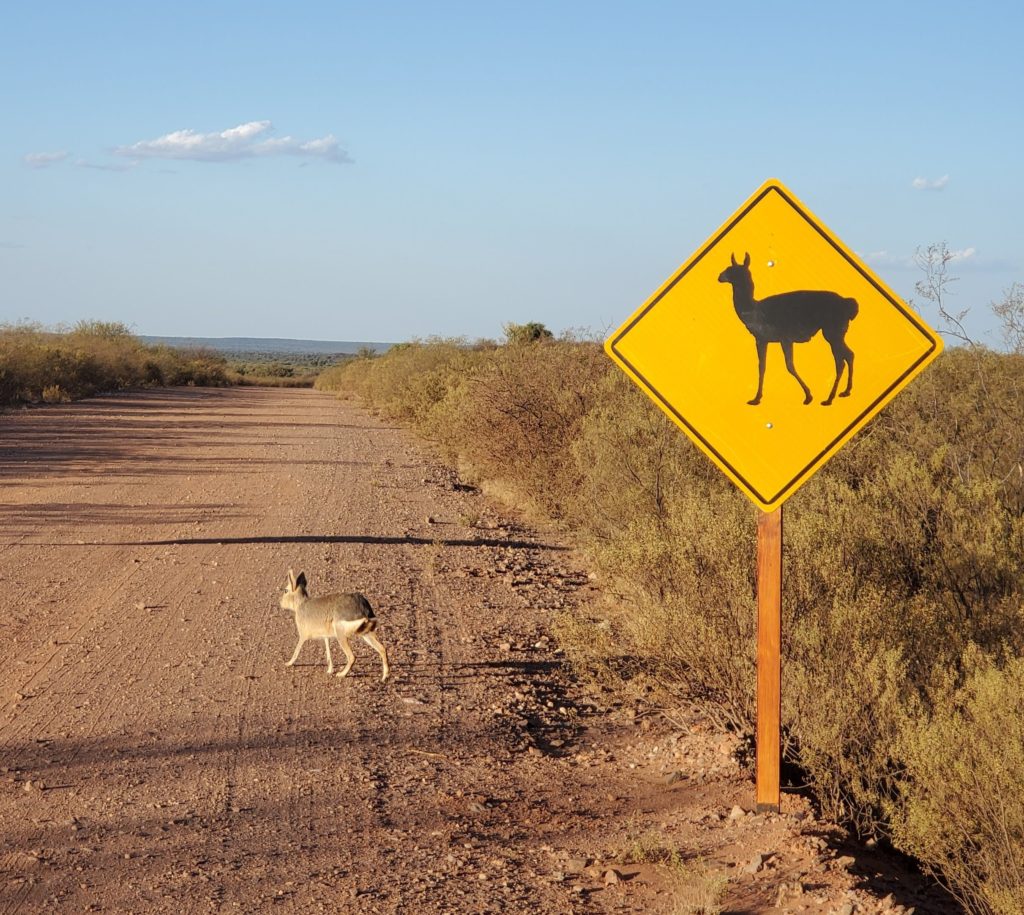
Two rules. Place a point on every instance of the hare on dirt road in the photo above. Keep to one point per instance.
(337, 615)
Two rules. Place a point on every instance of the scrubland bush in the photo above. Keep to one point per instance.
(515, 415)
(506, 413)
(406, 381)
(904, 572)
(93, 356)
(532, 332)
(670, 529)
(961, 803)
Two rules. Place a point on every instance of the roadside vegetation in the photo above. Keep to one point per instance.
(42, 365)
(903, 631)
(38, 365)
(279, 370)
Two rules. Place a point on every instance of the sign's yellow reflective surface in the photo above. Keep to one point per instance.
(772, 282)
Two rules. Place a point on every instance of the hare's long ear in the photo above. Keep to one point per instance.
(746, 259)
(291, 580)
(300, 582)
(735, 262)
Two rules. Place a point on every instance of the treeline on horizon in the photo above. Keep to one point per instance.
(903, 631)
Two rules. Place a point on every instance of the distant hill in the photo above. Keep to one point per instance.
(266, 345)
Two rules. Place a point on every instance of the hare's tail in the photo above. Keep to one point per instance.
(368, 625)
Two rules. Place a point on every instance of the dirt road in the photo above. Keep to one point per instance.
(157, 756)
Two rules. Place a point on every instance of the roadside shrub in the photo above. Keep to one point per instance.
(672, 533)
(39, 365)
(885, 587)
(513, 417)
(406, 381)
(522, 334)
(961, 804)
(488, 407)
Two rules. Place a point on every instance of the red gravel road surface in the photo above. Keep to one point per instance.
(156, 755)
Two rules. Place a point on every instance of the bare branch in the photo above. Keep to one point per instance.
(935, 286)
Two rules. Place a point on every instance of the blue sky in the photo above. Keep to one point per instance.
(383, 171)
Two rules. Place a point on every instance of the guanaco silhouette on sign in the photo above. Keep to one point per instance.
(792, 317)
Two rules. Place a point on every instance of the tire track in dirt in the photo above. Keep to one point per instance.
(103, 670)
(99, 670)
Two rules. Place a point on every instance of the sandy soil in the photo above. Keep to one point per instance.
(157, 756)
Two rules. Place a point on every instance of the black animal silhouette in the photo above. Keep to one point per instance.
(792, 317)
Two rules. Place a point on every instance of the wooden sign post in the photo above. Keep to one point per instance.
(769, 659)
(749, 347)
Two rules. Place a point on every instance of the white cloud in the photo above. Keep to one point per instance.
(962, 254)
(43, 159)
(930, 184)
(885, 259)
(964, 258)
(244, 132)
(245, 141)
(116, 167)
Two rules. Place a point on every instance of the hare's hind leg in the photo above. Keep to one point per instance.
(342, 636)
(295, 654)
(375, 644)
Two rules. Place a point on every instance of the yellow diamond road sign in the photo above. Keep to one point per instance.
(772, 346)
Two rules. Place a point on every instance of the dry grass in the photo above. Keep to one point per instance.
(697, 888)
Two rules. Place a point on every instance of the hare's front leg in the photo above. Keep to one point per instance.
(295, 654)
